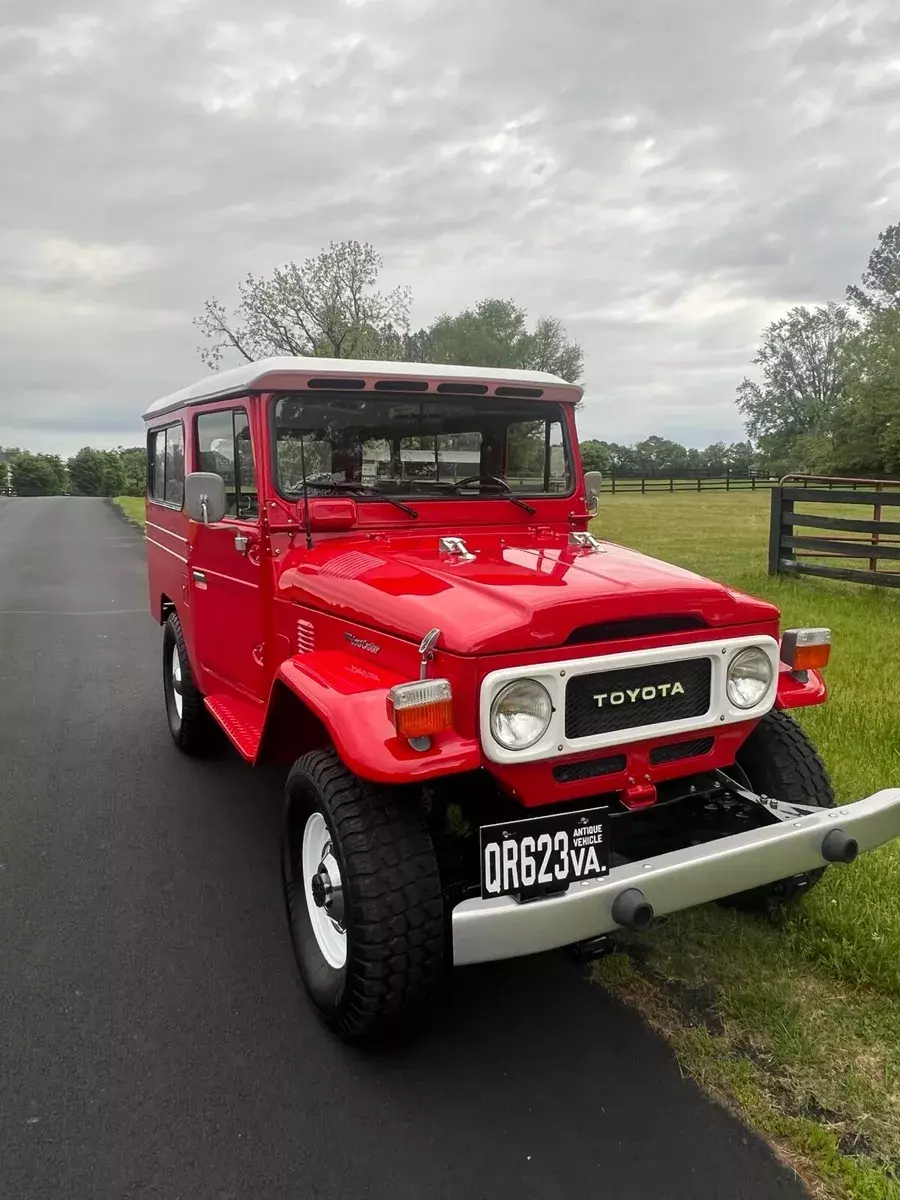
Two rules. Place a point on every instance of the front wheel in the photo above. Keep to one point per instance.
(363, 898)
(780, 761)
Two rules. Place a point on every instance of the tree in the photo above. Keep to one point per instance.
(802, 360)
(327, 306)
(495, 333)
(86, 472)
(658, 456)
(113, 479)
(867, 425)
(880, 289)
(595, 456)
(134, 467)
(38, 475)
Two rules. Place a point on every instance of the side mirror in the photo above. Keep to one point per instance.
(593, 481)
(204, 497)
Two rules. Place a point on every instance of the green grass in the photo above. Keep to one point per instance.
(794, 1021)
(132, 507)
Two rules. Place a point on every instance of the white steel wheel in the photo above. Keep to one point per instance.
(177, 690)
(323, 888)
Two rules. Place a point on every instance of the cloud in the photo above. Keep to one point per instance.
(666, 177)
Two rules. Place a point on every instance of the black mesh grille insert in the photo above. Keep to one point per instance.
(677, 750)
(632, 696)
(592, 769)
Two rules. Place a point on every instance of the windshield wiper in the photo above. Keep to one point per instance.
(521, 503)
(361, 489)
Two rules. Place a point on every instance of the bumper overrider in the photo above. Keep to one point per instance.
(501, 927)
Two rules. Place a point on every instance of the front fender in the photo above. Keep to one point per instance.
(349, 698)
(796, 692)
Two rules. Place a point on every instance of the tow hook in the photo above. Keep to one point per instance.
(632, 911)
(592, 948)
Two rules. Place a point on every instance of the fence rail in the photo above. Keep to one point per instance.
(795, 553)
(651, 484)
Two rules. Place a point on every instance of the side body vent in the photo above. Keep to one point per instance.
(306, 637)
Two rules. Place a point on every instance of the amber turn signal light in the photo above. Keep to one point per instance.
(421, 709)
(804, 649)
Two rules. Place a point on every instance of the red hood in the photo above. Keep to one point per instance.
(523, 590)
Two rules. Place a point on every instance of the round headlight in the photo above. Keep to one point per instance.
(749, 677)
(520, 714)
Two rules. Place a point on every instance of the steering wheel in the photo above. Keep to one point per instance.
(480, 479)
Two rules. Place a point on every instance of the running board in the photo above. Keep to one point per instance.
(242, 720)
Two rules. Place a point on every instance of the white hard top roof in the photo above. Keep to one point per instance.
(289, 374)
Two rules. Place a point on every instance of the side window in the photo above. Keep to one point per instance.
(165, 465)
(156, 465)
(224, 446)
(175, 465)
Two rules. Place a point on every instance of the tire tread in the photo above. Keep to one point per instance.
(393, 891)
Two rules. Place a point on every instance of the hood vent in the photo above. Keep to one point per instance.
(614, 631)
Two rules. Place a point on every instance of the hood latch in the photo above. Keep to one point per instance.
(454, 547)
(586, 541)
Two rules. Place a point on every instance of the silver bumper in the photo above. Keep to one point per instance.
(485, 930)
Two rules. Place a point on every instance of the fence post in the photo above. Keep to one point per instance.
(876, 516)
(775, 526)
(752, 483)
(672, 484)
(727, 480)
(643, 485)
(612, 479)
(699, 482)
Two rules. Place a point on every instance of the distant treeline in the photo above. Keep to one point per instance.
(90, 472)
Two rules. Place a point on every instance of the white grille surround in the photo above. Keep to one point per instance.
(555, 676)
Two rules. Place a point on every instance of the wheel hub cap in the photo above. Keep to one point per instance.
(177, 690)
(324, 890)
(327, 888)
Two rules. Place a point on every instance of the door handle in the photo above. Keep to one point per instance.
(198, 576)
(241, 543)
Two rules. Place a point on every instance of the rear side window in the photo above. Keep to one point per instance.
(224, 447)
(165, 465)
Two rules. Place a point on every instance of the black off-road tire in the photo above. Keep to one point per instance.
(780, 761)
(393, 906)
(191, 731)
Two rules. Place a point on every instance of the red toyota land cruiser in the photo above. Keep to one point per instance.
(507, 734)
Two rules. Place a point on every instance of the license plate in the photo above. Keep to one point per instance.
(543, 854)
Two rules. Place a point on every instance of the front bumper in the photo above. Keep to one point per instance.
(485, 930)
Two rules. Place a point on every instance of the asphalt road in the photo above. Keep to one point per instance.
(154, 1042)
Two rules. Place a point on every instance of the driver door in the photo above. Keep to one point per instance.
(223, 559)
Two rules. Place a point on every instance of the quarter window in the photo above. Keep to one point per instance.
(165, 465)
(225, 448)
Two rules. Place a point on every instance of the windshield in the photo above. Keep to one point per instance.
(396, 446)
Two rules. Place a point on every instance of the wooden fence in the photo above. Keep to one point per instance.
(874, 540)
(649, 485)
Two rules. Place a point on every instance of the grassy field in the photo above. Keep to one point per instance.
(132, 507)
(795, 1021)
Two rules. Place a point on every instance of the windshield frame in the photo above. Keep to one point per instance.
(420, 498)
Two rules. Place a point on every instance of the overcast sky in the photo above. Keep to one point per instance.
(664, 175)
